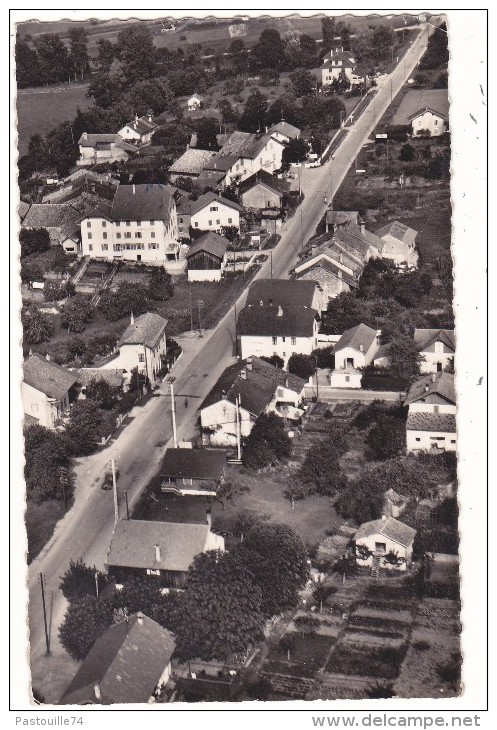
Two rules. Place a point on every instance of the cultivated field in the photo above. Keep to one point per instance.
(42, 108)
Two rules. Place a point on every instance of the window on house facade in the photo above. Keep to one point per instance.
(209, 223)
(380, 547)
(294, 340)
(230, 220)
(275, 340)
(213, 208)
(218, 222)
(105, 246)
(127, 235)
(152, 223)
(141, 357)
(117, 247)
(152, 235)
(89, 235)
(128, 223)
(118, 223)
(90, 247)
(151, 571)
(104, 236)
(283, 339)
(138, 223)
(104, 224)
(196, 225)
(181, 220)
(418, 438)
(436, 409)
(88, 224)
(118, 235)
(138, 235)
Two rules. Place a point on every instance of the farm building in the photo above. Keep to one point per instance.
(206, 258)
(192, 471)
(263, 190)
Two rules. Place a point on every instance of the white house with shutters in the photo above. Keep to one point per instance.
(355, 349)
(211, 212)
(438, 348)
(140, 131)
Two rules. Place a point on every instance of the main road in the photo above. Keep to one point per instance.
(86, 529)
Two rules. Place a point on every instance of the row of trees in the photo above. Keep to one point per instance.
(45, 59)
(233, 592)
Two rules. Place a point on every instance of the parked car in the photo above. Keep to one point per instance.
(107, 482)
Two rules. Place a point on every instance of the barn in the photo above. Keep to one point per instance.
(207, 257)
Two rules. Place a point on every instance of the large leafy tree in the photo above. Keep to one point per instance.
(267, 443)
(53, 57)
(302, 365)
(27, 65)
(277, 559)
(104, 395)
(36, 326)
(254, 113)
(81, 580)
(78, 45)
(137, 53)
(85, 426)
(269, 51)
(154, 94)
(404, 357)
(86, 619)
(76, 313)
(220, 609)
(207, 129)
(386, 438)
(321, 468)
(46, 452)
(328, 32)
(303, 82)
(160, 284)
(128, 298)
(33, 240)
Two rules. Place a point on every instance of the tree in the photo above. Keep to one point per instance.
(437, 52)
(84, 622)
(268, 51)
(31, 271)
(303, 82)
(207, 129)
(151, 94)
(306, 624)
(308, 48)
(320, 594)
(277, 559)
(404, 358)
(78, 45)
(345, 37)
(295, 151)
(27, 65)
(46, 451)
(36, 327)
(275, 360)
(129, 298)
(267, 443)
(106, 53)
(383, 42)
(81, 580)
(321, 468)
(328, 33)
(34, 240)
(407, 153)
(254, 113)
(102, 393)
(84, 428)
(76, 313)
(228, 491)
(345, 566)
(137, 53)
(302, 365)
(220, 593)
(160, 284)
(53, 58)
(228, 114)
(386, 438)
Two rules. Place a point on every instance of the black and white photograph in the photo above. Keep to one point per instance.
(239, 365)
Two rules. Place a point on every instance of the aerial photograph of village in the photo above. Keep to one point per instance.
(238, 358)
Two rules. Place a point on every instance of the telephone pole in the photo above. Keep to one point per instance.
(301, 231)
(199, 305)
(191, 309)
(126, 503)
(238, 435)
(173, 411)
(114, 491)
(47, 638)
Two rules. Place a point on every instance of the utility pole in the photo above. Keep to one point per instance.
(271, 257)
(236, 335)
(173, 411)
(191, 309)
(199, 305)
(301, 231)
(114, 491)
(238, 435)
(317, 377)
(126, 502)
(47, 639)
(331, 183)
(96, 582)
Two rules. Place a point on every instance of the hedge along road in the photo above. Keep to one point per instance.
(86, 529)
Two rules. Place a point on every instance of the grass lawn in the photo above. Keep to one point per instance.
(40, 523)
(307, 657)
(42, 108)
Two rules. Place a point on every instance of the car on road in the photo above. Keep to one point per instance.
(107, 482)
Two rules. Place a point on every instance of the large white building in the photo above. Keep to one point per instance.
(431, 420)
(338, 63)
(142, 226)
(244, 154)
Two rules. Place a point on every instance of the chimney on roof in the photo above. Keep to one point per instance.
(96, 689)
(243, 374)
(30, 352)
(157, 553)
(340, 274)
(280, 311)
(132, 318)
(249, 363)
(433, 377)
(363, 228)
(224, 395)
(139, 616)
(150, 117)
(361, 347)
(47, 357)
(85, 135)
(427, 388)
(208, 517)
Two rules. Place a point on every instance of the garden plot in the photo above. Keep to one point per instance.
(93, 277)
(364, 661)
(308, 655)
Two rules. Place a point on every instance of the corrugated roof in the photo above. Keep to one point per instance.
(417, 100)
(441, 384)
(47, 377)
(193, 463)
(426, 337)
(133, 544)
(399, 231)
(285, 128)
(282, 292)
(440, 422)
(192, 162)
(146, 330)
(390, 527)
(208, 199)
(127, 662)
(142, 202)
(211, 242)
(356, 336)
(296, 321)
(256, 389)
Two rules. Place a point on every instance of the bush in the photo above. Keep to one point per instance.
(267, 443)
(421, 645)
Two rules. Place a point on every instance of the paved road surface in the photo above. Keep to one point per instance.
(86, 529)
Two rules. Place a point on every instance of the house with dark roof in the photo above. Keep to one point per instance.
(262, 190)
(47, 390)
(384, 543)
(140, 131)
(399, 244)
(244, 153)
(336, 218)
(142, 226)
(142, 345)
(284, 132)
(211, 212)
(337, 63)
(129, 662)
(431, 419)
(55, 218)
(438, 348)
(355, 349)
(190, 164)
(162, 550)
(426, 110)
(192, 471)
(243, 392)
(206, 257)
(284, 293)
(96, 149)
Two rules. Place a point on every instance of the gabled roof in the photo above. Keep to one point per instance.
(142, 125)
(23, 209)
(146, 329)
(346, 60)
(195, 96)
(126, 662)
(114, 378)
(417, 100)
(142, 202)
(434, 422)
(221, 162)
(50, 215)
(256, 389)
(324, 269)
(133, 544)
(193, 464)
(281, 292)
(210, 178)
(426, 337)
(208, 199)
(441, 384)
(399, 231)
(361, 240)
(211, 242)
(192, 161)
(292, 321)
(395, 498)
(340, 217)
(105, 140)
(356, 336)
(264, 178)
(47, 377)
(390, 527)
(285, 128)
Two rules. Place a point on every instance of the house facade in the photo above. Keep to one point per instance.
(425, 110)
(384, 543)
(244, 391)
(206, 258)
(141, 226)
(244, 154)
(355, 349)
(399, 245)
(210, 212)
(339, 63)
(438, 348)
(142, 345)
(431, 419)
(96, 149)
(261, 191)
(140, 131)
(428, 121)
(284, 132)
(47, 391)
(194, 102)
